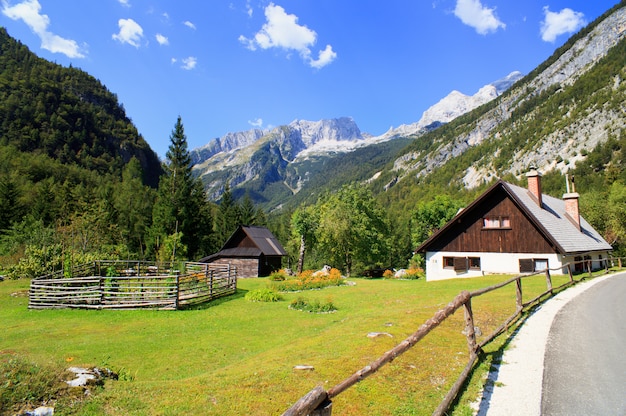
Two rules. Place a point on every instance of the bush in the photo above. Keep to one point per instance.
(388, 274)
(414, 274)
(263, 295)
(308, 280)
(279, 276)
(303, 304)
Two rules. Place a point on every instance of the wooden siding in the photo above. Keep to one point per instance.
(246, 267)
(469, 235)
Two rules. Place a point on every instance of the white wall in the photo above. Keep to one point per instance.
(490, 263)
(499, 263)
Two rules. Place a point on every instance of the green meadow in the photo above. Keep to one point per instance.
(237, 357)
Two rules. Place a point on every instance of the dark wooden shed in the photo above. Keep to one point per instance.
(254, 250)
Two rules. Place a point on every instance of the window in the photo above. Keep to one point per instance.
(496, 222)
(474, 263)
(461, 264)
(532, 265)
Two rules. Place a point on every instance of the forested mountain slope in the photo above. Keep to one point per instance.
(558, 118)
(65, 115)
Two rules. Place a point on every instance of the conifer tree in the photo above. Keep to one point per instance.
(181, 205)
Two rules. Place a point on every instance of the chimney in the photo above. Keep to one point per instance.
(534, 184)
(571, 204)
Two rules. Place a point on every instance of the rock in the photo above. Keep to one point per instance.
(378, 334)
(41, 411)
(400, 274)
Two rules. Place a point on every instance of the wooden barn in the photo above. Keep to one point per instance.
(253, 250)
(509, 230)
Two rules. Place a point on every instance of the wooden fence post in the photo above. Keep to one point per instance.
(569, 271)
(589, 267)
(470, 333)
(549, 280)
(518, 293)
(177, 291)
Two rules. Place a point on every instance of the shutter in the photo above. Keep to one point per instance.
(526, 266)
(460, 264)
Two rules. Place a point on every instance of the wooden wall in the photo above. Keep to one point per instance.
(470, 236)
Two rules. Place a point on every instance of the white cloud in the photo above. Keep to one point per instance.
(30, 12)
(558, 23)
(130, 32)
(324, 57)
(189, 24)
(189, 63)
(481, 18)
(163, 40)
(125, 3)
(281, 30)
(257, 123)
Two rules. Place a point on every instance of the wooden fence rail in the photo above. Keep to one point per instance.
(132, 285)
(318, 402)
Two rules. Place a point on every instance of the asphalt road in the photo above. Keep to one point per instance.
(585, 359)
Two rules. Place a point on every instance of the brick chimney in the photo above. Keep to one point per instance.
(534, 185)
(571, 204)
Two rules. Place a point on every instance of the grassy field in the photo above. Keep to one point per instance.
(235, 357)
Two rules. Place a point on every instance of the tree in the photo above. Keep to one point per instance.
(304, 222)
(353, 230)
(10, 208)
(181, 204)
(228, 215)
(430, 216)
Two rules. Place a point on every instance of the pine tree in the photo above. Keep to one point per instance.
(181, 205)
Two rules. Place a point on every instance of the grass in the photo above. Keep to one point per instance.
(232, 356)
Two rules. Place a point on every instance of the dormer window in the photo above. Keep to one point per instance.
(500, 222)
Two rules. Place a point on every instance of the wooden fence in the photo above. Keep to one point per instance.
(132, 285)
(318, 402)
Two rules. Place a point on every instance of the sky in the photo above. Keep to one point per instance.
(233, 65)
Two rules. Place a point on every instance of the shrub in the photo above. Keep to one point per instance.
(278, 276)
(303, 304)
(388, 274)
(263, 295)
(414, 274)
(308, 280)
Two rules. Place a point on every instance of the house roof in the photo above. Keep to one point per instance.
(550, 219)
(262, 240)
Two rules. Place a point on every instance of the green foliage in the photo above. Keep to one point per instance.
(353, 229)
(27, 384)
(430, 216)
(278, 276)
(181, 205)
(263, 295)
(315, 306)
(308, 280)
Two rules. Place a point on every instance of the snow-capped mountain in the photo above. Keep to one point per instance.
(454, 105)
(264, 156)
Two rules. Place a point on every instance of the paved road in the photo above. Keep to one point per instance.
(585, 358)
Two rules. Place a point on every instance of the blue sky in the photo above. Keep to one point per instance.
(227, 66)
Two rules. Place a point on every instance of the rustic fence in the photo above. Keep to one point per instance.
(132, 285)
(318, 402)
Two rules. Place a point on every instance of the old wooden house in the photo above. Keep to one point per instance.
(253, 250)
(509, 230)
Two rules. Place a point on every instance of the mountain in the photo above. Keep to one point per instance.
(551, 118)
(296, 148)
(454, 105)
(566, 115)
(65, 115)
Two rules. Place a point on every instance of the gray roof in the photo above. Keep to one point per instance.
(265, 240)
(557, 227)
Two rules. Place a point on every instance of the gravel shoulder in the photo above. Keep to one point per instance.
(514, 388)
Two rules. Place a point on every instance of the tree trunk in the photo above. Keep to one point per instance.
(301, 257)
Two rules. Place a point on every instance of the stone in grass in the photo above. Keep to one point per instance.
(379, 334)
(304, 367)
